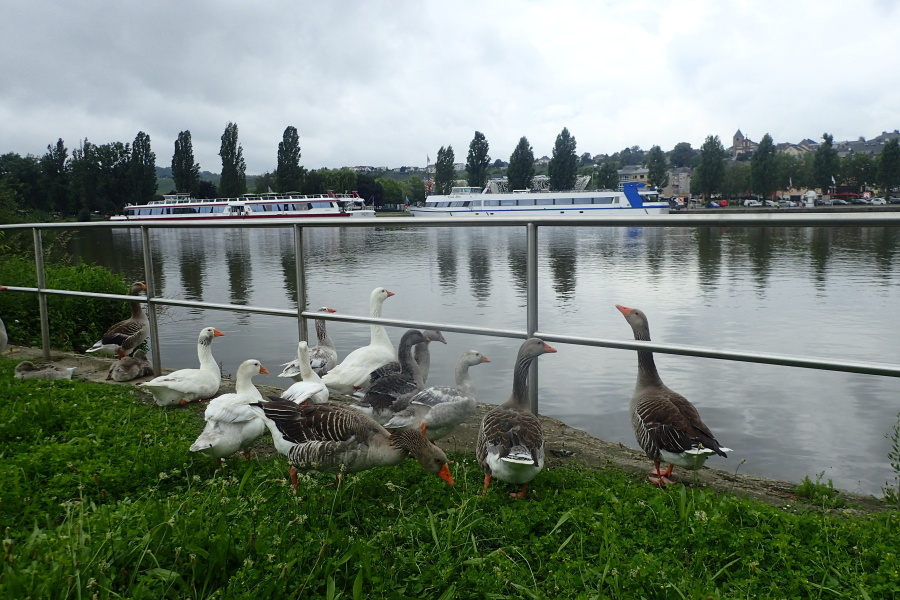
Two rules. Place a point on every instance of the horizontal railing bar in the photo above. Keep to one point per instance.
(786, 360)
(262, 310)
(55, 292)
(788, 218)
(442, 327)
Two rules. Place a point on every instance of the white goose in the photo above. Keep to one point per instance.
(231, 423)
(186, 385)
(441, 409)
(322, 358)
(130, 367)
(510, 442)
(353, 372)
(125, 336)
(667, 427)
(335, 438)
(310, 387)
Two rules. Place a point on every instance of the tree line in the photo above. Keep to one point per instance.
(105, 177)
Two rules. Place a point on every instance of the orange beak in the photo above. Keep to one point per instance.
(390, 294)
(263, 370)
(445, 475)
(330, 310)
(485, 358)
(623, 309)
(143, 286)
(548, 348)
(217, 333)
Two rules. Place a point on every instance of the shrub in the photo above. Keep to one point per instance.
(75, 323)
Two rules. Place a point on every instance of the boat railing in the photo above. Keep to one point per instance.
(530, 327)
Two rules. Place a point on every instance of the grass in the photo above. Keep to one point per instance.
(101, 499)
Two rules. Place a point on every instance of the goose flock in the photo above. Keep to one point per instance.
(393, 415)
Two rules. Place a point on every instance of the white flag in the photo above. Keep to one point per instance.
(832, 180)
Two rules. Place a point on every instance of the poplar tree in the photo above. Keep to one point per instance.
(710, 174)
(563, 167)
(444, 171)
(185, 171)
(478, 161)
(825, 164)
(764, 169)
(233, 182)
(520, 172)
(657, 169)
(141, 170)
(889, 167)
(289, 173)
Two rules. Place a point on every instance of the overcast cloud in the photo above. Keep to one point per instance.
(388, 83)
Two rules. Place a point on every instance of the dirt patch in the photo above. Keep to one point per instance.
(564, 445)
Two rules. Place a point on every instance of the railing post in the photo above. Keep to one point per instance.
(300, 268)
(531, 279)
(155, 352)
(42, 297)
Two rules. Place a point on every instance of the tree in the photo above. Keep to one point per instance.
(289, 173)
(185, 171)
(264, 183)
(608, 176)
(415, 189)
(207, 190)
(394, 191)
(682, 155)
(764, 169)
(563, 166)
(444, 171)
(478, 161)
(658, 172)
(233, 181)
(859, 169)
(21, 177)
(54, 180)
(521, 166)
(141, 170)
(889, 166)
(736, 179)
(825, 164)
(710, 174)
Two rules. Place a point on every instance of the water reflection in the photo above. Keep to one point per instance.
(517, 257)
(479, 264)
(192, 264)
(446, 259)
(562, 252)
(709, 257)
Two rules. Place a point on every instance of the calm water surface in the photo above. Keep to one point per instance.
(829, 293)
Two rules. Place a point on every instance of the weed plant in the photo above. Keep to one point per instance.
(892, 488)
(75, 323)
(102, 499)
(818, 493)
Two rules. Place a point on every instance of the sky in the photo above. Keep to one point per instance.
(388, 83)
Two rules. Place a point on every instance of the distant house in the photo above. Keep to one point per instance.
(632, 173)
(679, 182)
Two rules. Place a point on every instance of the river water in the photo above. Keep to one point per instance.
(828, 293)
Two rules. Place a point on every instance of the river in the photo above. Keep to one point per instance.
(828, 293)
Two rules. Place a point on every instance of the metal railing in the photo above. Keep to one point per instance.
(531, 329)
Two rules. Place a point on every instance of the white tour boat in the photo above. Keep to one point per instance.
(182, 207)
(475, 202)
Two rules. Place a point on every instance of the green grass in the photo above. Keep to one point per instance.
(100, 498)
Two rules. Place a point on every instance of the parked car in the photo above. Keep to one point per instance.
(859, 201)
(894, 200)
(839, 201)
(786, 203)
(878, 202)
(770, 204)
(750, 203)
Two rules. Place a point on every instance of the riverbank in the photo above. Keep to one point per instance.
(565, 445)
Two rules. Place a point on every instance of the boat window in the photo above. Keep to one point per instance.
(544, 201)
(492, 203)
(507, 203)
(604, 200)
(456, 203)
(565, 200)
(320, 205)
(442, 204)
(582, 200)
(184, 210)
(218, 209)
(525, 202)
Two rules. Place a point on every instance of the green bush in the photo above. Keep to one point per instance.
(75, 323)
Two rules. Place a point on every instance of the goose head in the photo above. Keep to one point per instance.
(207, 334)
